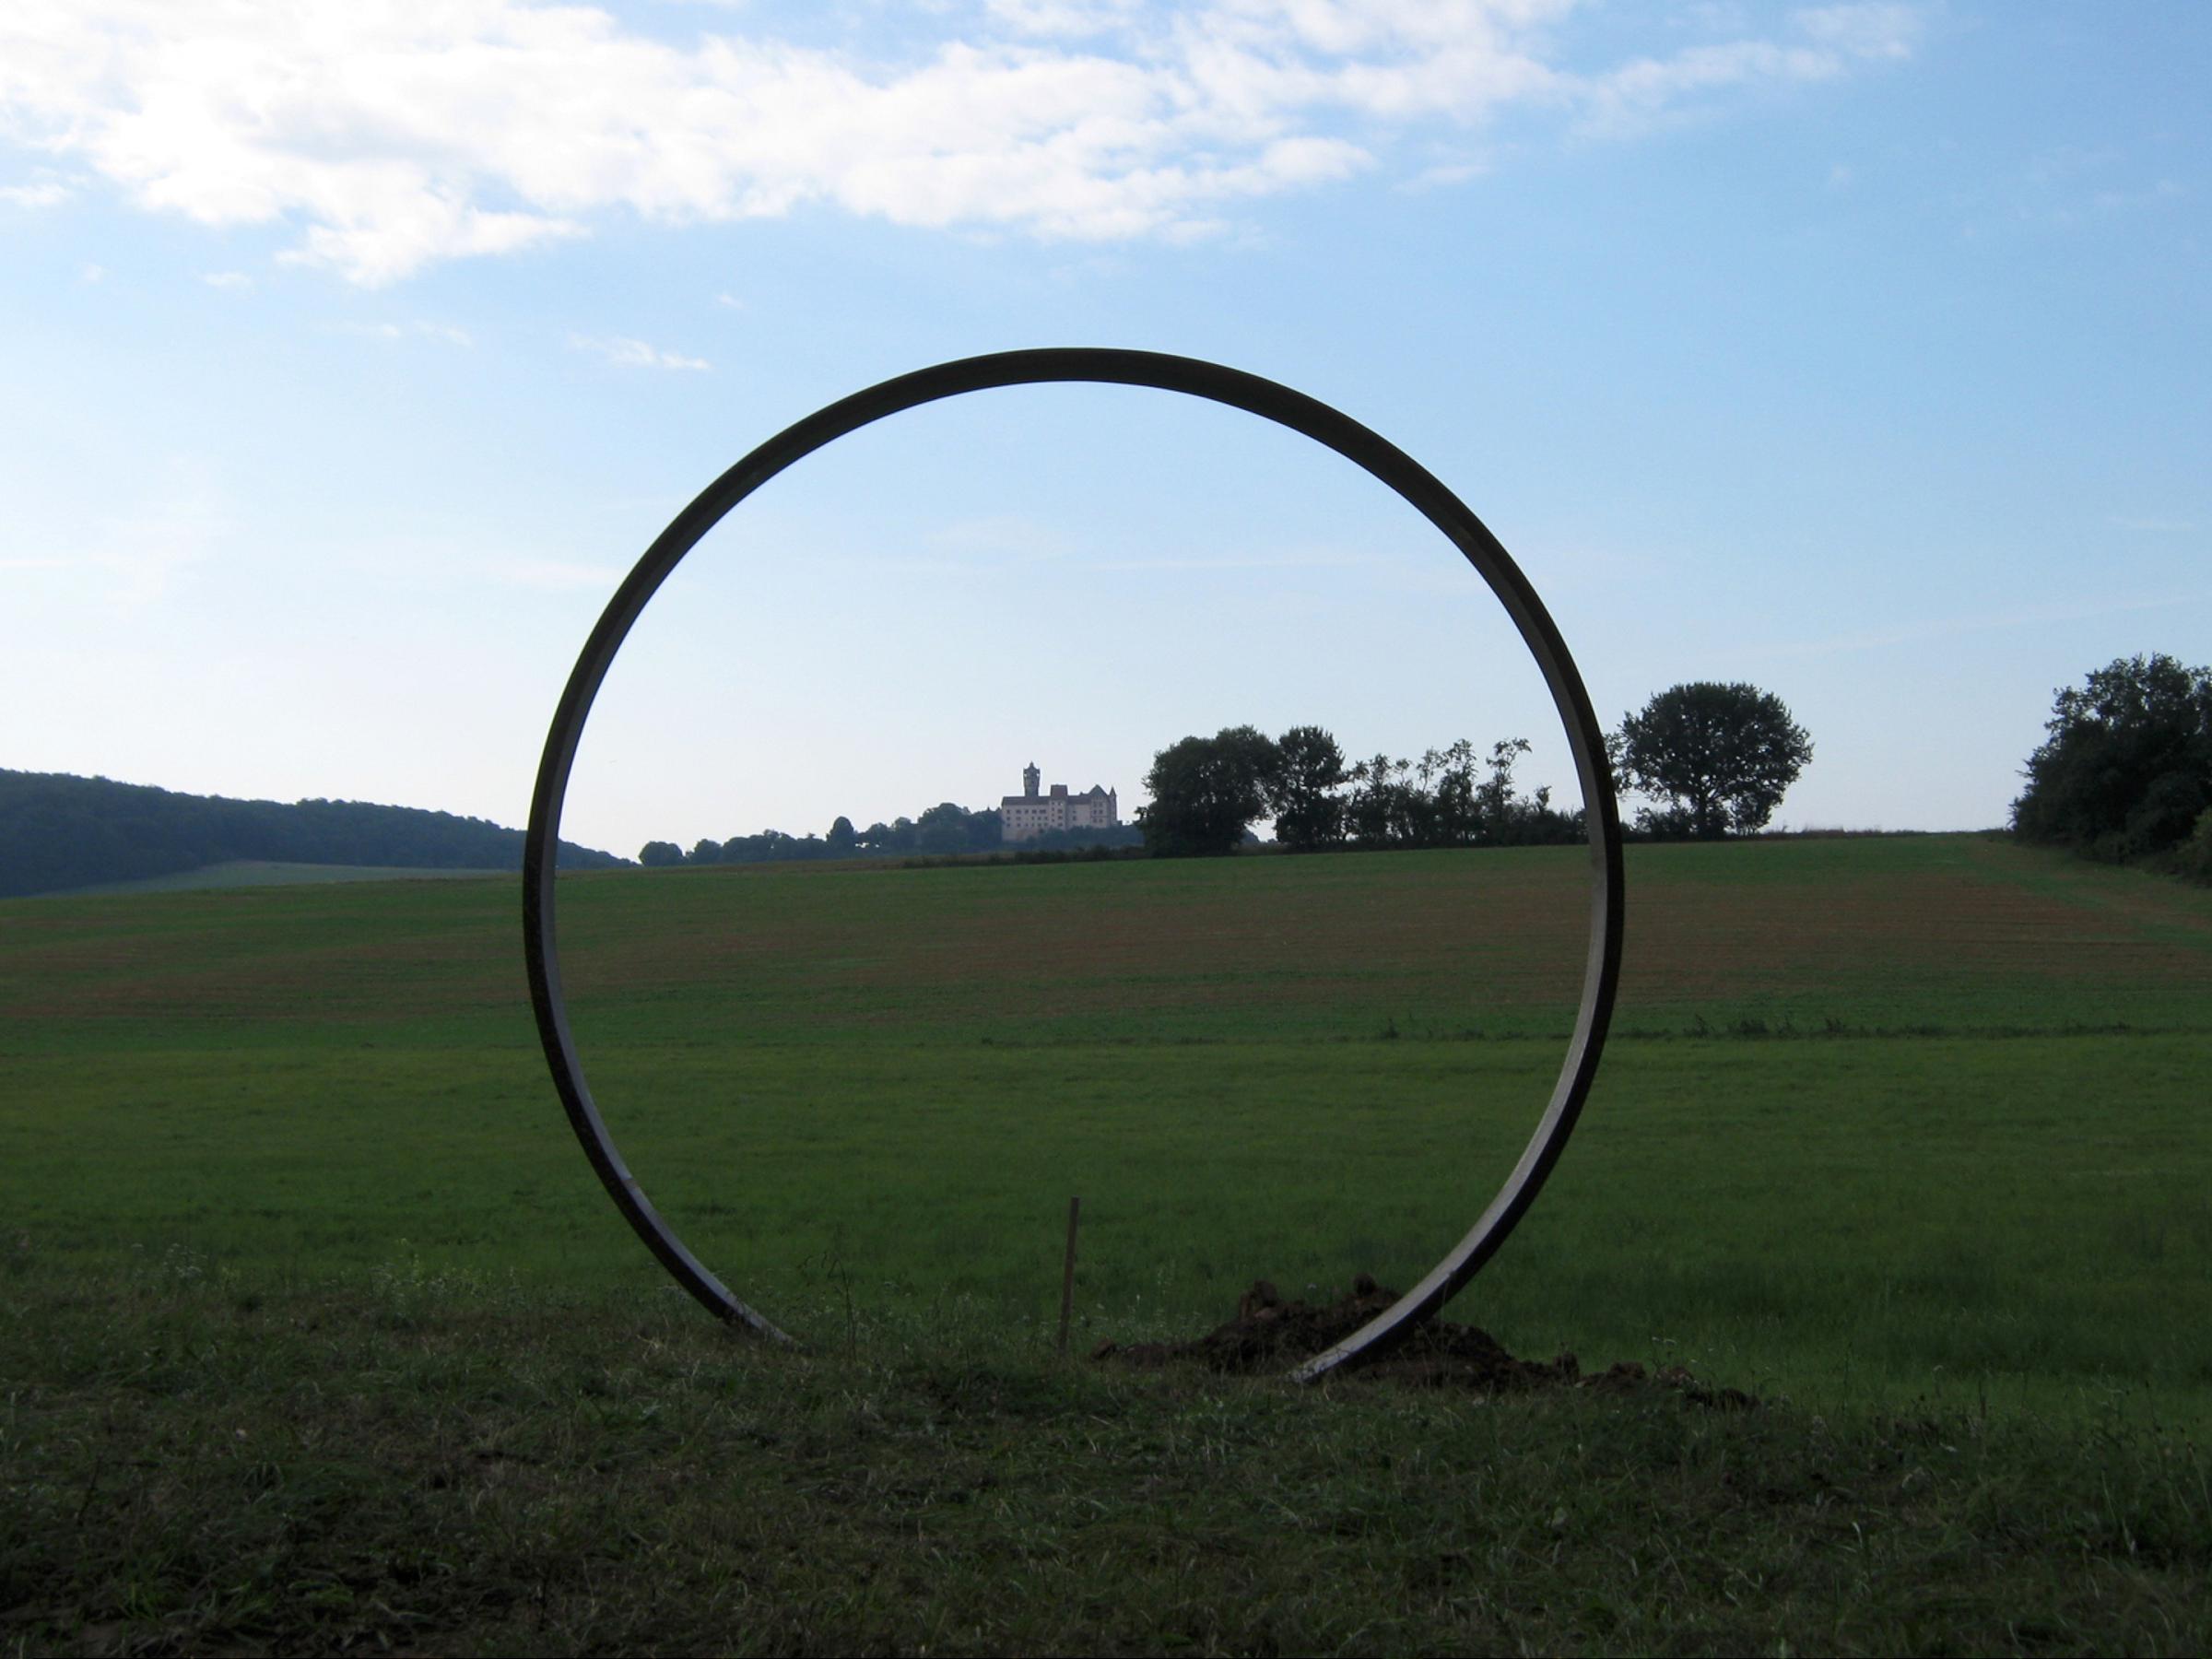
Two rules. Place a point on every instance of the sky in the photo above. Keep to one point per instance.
(354, 352)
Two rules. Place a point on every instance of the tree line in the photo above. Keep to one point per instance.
(2125, 771)
(2124, 774)
(945, 830)
(58, 831)
(1206, 792)
(1714, 760)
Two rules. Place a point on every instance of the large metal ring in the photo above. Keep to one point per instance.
(1194, 378)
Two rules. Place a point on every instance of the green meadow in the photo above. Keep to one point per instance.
(1880, 1116)
(1892, 1130)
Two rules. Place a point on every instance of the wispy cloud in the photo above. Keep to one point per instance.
(443, 333)
(234, 280)
(1001, 539)
(553, 575)
(1822, 43)
(2160, 526)
(1233, 561)
(137, 557)
(49, 192)
(2154, 194)
(393, 136)
(626, 353)
(1442, 174)
(2070, 187)
(1945, 628)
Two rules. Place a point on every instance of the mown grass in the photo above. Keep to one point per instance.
(1906, 1136)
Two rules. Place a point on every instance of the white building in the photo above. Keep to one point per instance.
(1029, 815)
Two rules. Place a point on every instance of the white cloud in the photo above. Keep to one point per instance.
(47, 193)
(393, 134)
(93, 273)
(1064, 17)
(1876, 31)
(626, 353)
(1825, 43)
(228, 279)
(1443, 174)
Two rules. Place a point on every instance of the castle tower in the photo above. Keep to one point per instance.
(1030, 776)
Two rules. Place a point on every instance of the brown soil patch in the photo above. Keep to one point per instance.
(1271, 1335)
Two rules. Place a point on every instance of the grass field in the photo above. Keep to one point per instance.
(1895, 1132)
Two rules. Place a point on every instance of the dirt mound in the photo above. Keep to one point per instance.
(1272, 1334)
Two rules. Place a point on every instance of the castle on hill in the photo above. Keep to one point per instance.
(1029, 815)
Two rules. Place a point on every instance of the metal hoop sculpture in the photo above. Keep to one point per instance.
(1194, 378)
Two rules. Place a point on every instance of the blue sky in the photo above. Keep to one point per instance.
(1859, 351)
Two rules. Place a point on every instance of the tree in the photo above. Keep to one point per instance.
(1719, 758)
(1300, 792)
(1378, 812)
(2127, 766)
(1457, 805)
(706, 851)
(1206, 790)
(842, 837)
(943, 829)
(660, 854)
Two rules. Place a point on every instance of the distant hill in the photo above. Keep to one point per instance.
(59, 831)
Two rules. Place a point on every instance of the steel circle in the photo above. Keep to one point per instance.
(1195, 378)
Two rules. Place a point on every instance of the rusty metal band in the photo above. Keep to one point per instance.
(1194, 378)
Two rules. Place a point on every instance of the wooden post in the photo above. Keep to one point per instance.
(1067, 1271)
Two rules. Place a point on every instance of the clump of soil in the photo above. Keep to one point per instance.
(1272, 1334)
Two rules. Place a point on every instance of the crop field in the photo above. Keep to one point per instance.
(258, 872)
(1885, 1115)
(1906, 1130)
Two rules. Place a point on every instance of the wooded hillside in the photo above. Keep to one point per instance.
(58, 831)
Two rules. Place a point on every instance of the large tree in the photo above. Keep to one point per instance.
(1719, 758)
(1206, 791)
(1302, 790)
(943, 829)
(2127, 766)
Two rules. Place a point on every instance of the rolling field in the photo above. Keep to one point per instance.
(1891, 1130)
(1888, 1115)
(259, 872)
